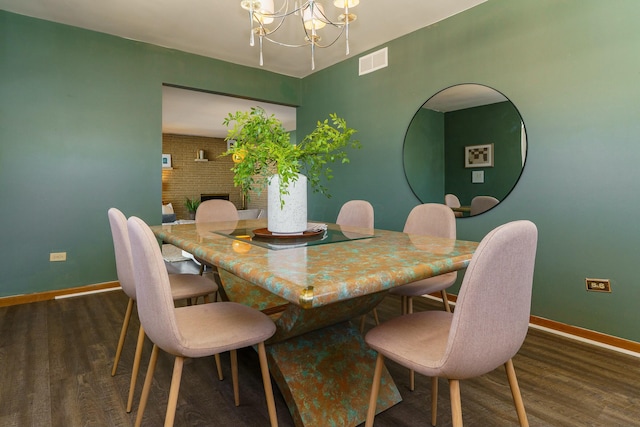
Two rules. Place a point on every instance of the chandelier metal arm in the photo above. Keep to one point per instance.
(313, 18)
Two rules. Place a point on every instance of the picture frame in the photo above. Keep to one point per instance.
(166, 160)
(478, 156)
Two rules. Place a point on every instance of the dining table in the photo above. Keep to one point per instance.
(313, 285)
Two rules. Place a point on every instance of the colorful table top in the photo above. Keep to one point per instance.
(317, 275)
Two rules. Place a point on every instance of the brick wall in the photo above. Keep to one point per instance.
(189, 178)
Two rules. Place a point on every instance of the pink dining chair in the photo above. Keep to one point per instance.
(431, 219)
(192, 331)
(452, 201)
(215, 210)
(484, 331)
(183, 287)
(480, 204)
(358, 213)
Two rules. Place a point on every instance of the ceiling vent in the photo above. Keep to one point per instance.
(374, 61)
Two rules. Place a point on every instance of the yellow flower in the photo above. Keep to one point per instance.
(239, 156)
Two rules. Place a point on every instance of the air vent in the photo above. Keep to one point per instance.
(374, 61)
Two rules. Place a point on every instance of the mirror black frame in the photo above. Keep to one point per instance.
(494, 117)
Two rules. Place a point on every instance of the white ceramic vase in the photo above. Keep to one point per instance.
(292, 217)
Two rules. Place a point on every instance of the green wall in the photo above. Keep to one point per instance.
(498, 124)
(80, 131)
(423, 155)
(572, 69)
(434, 149)
(80, 117)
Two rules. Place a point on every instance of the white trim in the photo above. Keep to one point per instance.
(79, 294)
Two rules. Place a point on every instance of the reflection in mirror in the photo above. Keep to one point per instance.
(466, 141)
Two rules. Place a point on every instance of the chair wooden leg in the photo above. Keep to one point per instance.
(445, 301)
(412, 375)
(173, 391)
(136, 368)
(268, 390)
(123, 334)
(216, 357)
(456, 405)
(375, 390)
(147, 385)
(434, 400)
(234, 376)
(375, 316)
(515, 392)
(403, 305)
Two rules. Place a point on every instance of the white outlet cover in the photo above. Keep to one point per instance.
(477, 177)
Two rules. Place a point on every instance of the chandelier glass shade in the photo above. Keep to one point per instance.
(265, 20)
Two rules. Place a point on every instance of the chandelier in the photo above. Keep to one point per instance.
(265, 21)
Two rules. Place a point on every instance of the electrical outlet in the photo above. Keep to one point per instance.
(57, 256)
(598, 285)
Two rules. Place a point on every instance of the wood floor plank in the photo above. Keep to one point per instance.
(56, 358)
(24, 394)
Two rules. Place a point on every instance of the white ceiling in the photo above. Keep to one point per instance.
(189, 112)
(463, 96)
(219, 29)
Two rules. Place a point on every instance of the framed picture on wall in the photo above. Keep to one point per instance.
(166, 160)
(478, 156)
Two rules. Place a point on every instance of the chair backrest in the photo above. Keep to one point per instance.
(451, 200)
(122, 249)
(216, 210)
(155, 302)
(491, 318)
(356, 213)
(431, 219)
(481, 204)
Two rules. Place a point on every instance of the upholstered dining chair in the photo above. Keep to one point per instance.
(431, 219)
(480, 204)
(358, 213)
(452, 201)
(183, 331)
(215, 210)
(483, 333)
(183, 287)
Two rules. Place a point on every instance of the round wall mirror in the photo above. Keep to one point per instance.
(466, 147)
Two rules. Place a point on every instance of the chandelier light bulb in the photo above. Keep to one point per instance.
(315, 19)
(262, 10)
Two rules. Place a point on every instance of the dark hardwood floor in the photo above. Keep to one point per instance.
(56, 358)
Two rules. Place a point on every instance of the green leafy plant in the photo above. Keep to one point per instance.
(192, 204)
(263, 148)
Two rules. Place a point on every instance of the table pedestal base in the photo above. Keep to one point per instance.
(325, 377)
